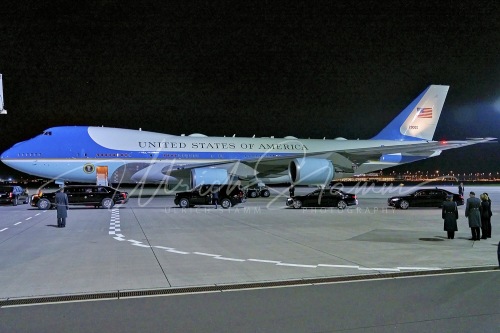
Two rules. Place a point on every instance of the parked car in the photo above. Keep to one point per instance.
(85, 195)
(257, 190)
(323, 198)
(13, 194)
(229, 195)
(424, 198)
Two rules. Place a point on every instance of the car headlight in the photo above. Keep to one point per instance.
(395, 199)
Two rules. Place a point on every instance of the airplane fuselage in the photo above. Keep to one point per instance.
(73, 153)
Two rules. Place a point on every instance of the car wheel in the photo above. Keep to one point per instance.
(265, 193)
(225, 203)
(297, 204)
(107, 203)
(14, 201)
(252, 194)
(43, 204)
(404, 204)
(184, 203)
(341, 204)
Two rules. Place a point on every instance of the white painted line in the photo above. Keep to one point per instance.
(421, 268)
(115, 226)
(296, 265)
(207, 254)
(338, 266)
(4, 229)
(229, 259)
(163, 247)
(29, 218)
(379, 269)
(38, 214)
(18, 223)
(267, 261)
(179, 252)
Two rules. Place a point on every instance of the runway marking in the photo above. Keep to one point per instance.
(29, 218)
(18, 223)
(207, 254)
(229, 259)
(4, 229)
(114, 226)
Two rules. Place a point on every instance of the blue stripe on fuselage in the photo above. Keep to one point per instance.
(75, 142)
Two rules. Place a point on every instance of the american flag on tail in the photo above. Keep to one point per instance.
(424, 112)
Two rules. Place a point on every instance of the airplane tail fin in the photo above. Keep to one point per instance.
(418, 120)
(2, 110)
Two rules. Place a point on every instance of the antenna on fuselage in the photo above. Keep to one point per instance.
(2, 110)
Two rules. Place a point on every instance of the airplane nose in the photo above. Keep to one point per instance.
(11, 152)
(5, 154)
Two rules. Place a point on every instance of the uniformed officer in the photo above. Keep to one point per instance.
(450, 216)
(472, 213)
(61, 201)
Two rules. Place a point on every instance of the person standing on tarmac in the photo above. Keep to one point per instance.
(215, 197)
(485, 216)
(450, 215)
(61, 201)
(461, 189)
(472, 207)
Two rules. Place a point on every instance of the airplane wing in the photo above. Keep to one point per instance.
(276, 165)
(412, 149)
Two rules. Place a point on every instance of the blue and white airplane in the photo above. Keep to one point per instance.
(114, 155)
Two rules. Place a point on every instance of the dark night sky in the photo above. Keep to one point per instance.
(310, 69)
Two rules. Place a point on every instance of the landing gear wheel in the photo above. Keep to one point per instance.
(265, 193)
(252, 194)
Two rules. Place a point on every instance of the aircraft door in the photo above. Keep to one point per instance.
(102, 175)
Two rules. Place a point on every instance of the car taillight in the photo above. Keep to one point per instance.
(11, 195)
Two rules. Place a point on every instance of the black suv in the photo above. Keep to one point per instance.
(13, 194)
(229, 195)
(86, 195)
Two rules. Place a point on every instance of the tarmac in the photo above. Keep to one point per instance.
(149, 245)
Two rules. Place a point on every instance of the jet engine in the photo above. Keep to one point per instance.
(311, 171)
(208, 176)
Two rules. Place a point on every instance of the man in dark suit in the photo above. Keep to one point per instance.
(61, 201)
(461, 189)
(472, 212)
